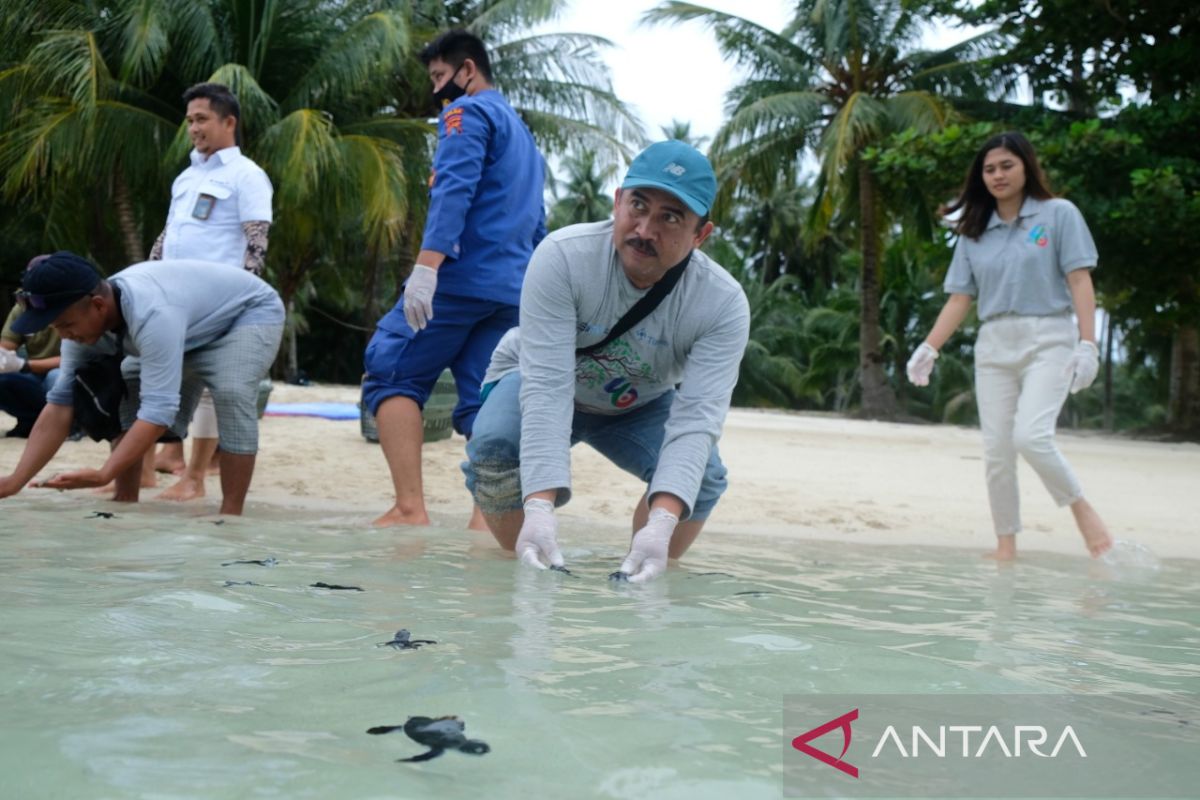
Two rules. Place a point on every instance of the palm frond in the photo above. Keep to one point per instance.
(357, 62)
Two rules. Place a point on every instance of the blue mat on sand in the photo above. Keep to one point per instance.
(324, 410)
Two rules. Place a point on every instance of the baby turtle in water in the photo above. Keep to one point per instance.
(403, 641)
(321, 585)
(269, 561)
(101, 515)
(439, 735)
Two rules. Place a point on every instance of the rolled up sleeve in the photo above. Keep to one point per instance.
(160, 341)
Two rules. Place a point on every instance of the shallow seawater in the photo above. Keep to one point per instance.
(129, 668)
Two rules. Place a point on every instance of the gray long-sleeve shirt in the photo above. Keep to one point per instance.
(171, 308)
(575, 290)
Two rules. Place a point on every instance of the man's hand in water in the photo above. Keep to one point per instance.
(79, 479)
(538, 540)
(647, 557)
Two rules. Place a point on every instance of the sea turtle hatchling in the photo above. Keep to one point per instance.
(403, 641)
(269, 561)
(438, 734)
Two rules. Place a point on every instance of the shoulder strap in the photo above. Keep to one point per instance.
(642, 308)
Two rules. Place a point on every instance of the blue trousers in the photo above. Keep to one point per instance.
(23, 394)
(401, 362)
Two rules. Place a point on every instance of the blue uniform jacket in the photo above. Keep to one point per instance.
(485, 212)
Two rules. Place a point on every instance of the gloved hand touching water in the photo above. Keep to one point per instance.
(647, 557)
(538, 540)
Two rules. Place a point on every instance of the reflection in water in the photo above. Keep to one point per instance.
(136, 662)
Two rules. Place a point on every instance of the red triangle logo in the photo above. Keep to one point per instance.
(801, 743)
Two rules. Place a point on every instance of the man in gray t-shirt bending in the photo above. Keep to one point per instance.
(652, 400)
(190, 325)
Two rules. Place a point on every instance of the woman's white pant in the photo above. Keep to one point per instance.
(204, 421)
(1020, 386)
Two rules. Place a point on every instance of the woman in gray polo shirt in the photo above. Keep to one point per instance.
(1026, 256)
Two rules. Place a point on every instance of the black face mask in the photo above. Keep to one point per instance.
(450, 90)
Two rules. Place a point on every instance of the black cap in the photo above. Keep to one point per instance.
(50, 286)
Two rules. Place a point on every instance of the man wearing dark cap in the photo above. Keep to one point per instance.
(189, 325)
(630, 340)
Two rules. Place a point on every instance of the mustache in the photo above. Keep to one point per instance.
(645, 245)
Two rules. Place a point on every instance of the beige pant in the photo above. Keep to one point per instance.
(1020, 386)
(204, 421)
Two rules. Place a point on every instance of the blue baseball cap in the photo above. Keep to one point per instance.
(678, 168)
(50, 286)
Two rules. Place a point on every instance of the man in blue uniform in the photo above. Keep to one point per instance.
(485, 217)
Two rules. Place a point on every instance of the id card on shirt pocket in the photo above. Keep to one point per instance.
(204, 206)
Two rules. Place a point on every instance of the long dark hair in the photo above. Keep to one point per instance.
(976, 201)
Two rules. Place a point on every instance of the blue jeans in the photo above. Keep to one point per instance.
(23, 394)
(631, 440)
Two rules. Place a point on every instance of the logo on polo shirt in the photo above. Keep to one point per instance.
(1039, 236)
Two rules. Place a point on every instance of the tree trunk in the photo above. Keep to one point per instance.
(1183, 405)
(371, 276)
(1108, 371)
(291, 354)
(878, 399)
(131, 234)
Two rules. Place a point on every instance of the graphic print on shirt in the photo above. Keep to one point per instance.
(1039, 236)
(453, 120)
(614, 370)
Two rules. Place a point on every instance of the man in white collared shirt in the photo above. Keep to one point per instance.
(220, 212)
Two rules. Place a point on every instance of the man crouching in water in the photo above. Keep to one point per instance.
(191, 324)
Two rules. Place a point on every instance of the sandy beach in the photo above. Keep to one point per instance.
(815, 477)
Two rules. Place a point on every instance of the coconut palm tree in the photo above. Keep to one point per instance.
(583, 196)
(335, 107)
(841, 77)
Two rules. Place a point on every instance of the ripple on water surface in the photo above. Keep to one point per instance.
(141, 658)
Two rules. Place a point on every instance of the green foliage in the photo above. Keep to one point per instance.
(584, 196)
(335, 107)
(1083, 51)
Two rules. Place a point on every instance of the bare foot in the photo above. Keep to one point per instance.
(169, 458)
(477, 523)
(1091, 527)
(186, 489)
(1006, 548)
(394, 516)
(169, 467)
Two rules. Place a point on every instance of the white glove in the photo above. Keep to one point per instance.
(1083, 366)
(920, 366)
(647, 557)
(538, 539)
(10, 361)
(418, 296)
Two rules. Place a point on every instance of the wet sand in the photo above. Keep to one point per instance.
(807, 476)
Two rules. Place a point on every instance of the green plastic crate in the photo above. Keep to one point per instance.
(437, 416)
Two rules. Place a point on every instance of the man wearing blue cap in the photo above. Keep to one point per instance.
(190, 327)
(630, 340)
